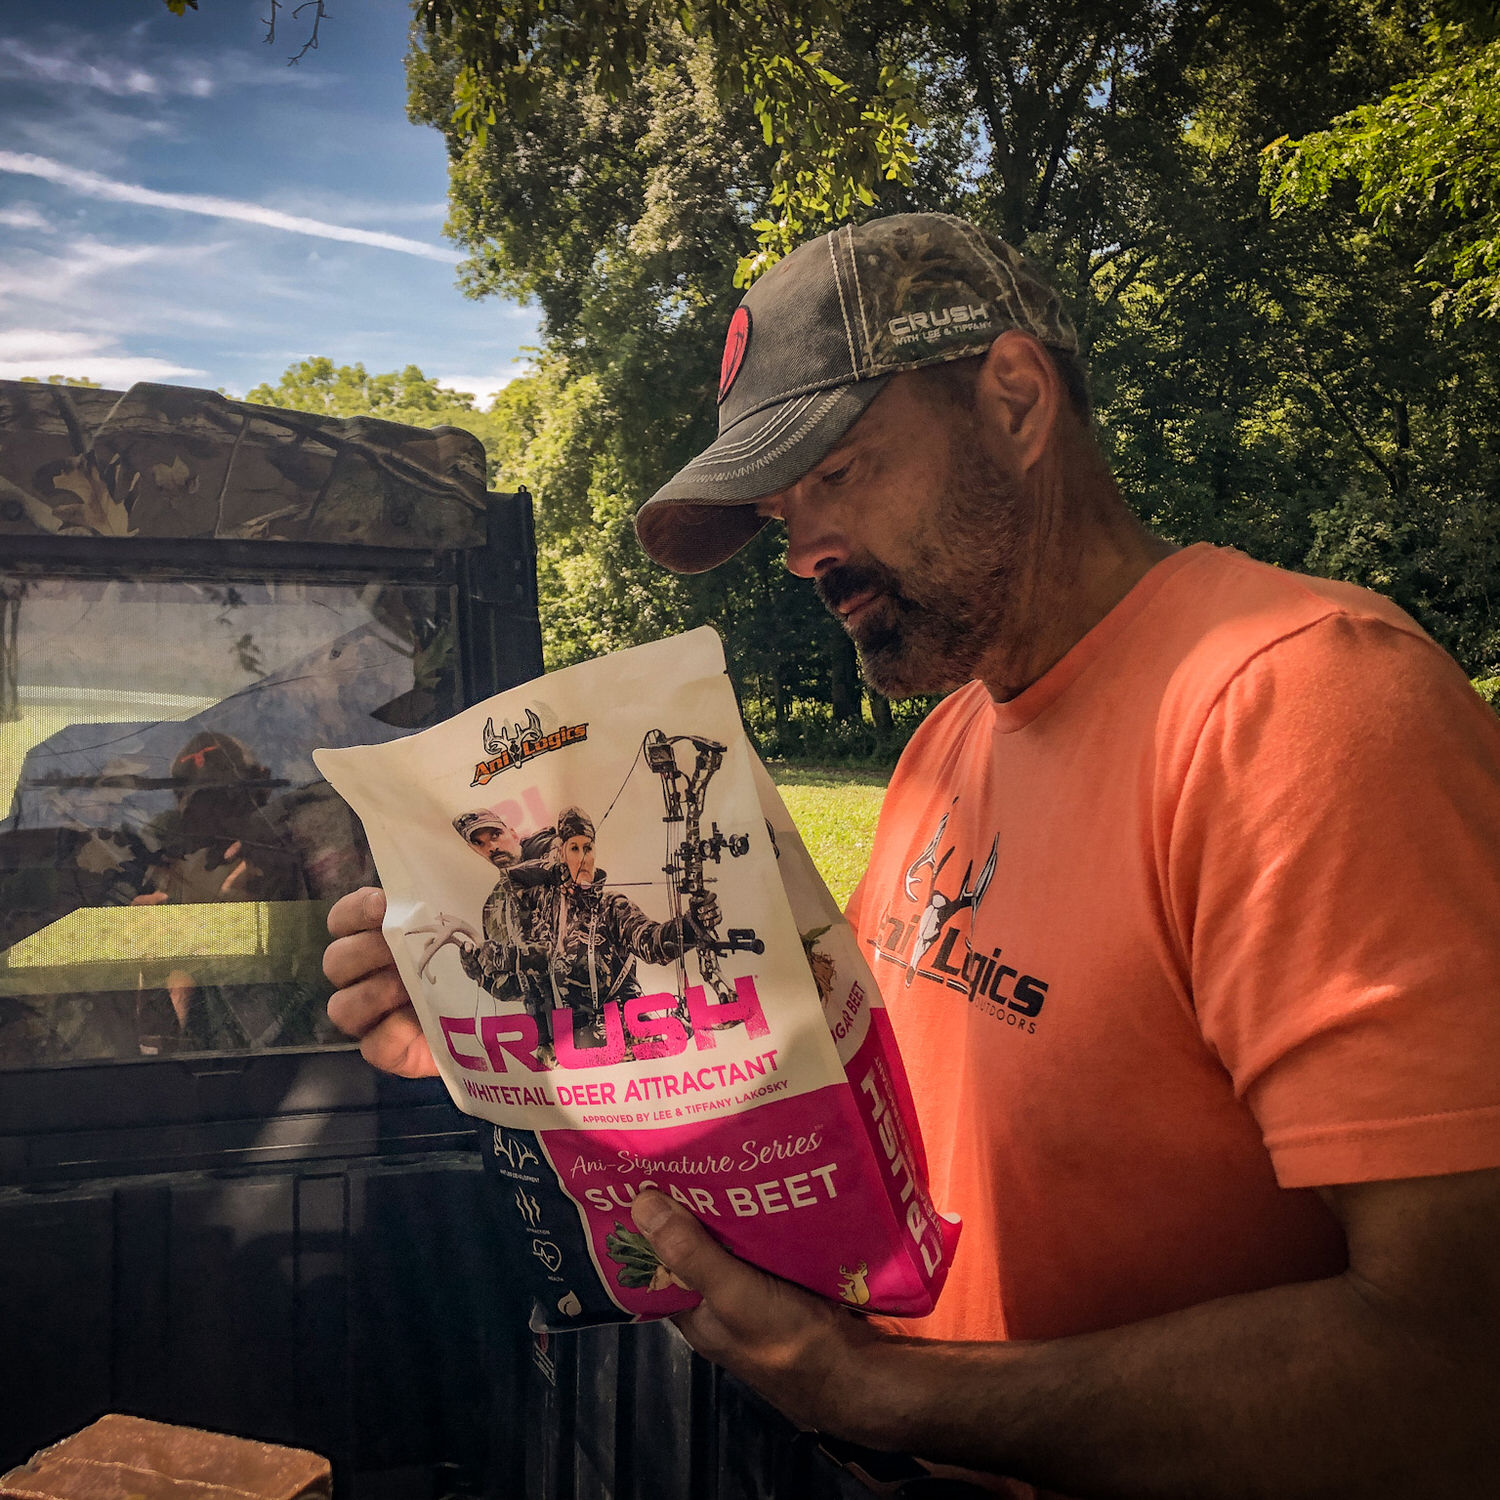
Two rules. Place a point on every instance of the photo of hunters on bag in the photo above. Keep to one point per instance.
(554, 937)
(750, 752)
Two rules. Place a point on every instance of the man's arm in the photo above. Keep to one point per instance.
(1379, 1383)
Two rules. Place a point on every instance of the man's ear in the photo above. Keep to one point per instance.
(1019, 396)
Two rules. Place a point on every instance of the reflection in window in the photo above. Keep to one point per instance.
(170, 850)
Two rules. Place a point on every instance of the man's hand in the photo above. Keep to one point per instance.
(369, 1000)
(1382, 1381)
(800, 1352)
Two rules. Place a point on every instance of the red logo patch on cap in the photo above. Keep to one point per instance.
(735, 344)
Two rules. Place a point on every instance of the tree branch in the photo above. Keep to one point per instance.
(319, 10)
(1342, 413)
(984, 91)
(1061, 130)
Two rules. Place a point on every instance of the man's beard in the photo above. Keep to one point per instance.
(948, 605)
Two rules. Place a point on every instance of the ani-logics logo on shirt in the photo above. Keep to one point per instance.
(923, 934)
(519, 743)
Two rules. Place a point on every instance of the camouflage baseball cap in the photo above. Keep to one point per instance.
(814, 342)
(573, 821)
(467, 824)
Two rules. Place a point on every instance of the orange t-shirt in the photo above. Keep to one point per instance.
(1206, 917)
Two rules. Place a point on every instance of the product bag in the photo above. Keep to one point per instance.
(628, 968)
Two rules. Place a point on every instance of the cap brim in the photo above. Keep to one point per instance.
(704, 514)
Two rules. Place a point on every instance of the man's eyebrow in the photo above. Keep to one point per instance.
(841, 450)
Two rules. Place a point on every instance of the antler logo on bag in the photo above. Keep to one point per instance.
(514, 745)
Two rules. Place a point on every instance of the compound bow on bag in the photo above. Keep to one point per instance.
(689, 850)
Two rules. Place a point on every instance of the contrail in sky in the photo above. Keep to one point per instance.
(92, 185)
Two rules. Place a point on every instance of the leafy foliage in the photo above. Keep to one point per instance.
(1274, 381)
(1425, 158)
(1270, 381)
(318, 385)
(835, 138)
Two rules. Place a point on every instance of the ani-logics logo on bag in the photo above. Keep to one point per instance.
(518, 743)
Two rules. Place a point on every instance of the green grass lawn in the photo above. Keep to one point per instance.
(835, 812)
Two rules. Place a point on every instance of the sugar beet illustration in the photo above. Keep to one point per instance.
(639, 1267)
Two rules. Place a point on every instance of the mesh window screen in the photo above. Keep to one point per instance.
(170, 851)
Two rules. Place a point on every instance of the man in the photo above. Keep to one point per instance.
(1208, 1066)
(554, 936)
(505, 959)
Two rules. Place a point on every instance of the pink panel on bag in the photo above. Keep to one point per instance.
(837, 1169)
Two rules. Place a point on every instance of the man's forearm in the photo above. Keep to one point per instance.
(1302, 1390)
(1378, 1384)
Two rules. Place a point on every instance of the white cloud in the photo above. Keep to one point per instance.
(83, 63)
(43, 352)
(23, 216)
(86, 131)
(483, 388)
(42, 343)
(348, 208)
(238, 69)
(93, 185)
(51, 278)
(122, 79)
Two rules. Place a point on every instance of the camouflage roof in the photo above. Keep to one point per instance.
(172, 461)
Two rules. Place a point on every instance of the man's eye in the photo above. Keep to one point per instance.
(839, 475)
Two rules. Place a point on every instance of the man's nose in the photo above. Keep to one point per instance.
(815, 542)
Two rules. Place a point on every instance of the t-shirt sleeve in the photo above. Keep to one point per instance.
(1334, 881)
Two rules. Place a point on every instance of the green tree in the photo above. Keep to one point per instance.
(624, 222)
(1425, 158)
(320, 386)
(1269, 381)
(622, 215)
(836, 133)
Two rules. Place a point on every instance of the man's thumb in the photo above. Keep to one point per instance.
(681, 1243)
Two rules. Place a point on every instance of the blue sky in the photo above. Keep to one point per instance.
(176, 203)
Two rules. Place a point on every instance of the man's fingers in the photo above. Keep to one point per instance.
(378, 1011)
(369, 1000)
(773, 1335)
(682, 1244)
(349, 959)
(360, 911)
(397, 1046)
(357, 1008)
